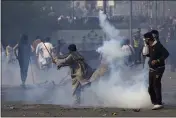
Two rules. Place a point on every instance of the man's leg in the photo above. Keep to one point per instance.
(8, 59)
(151, 88)
(23, 77)
(76, 86)
(157, 86)
(143, 60)
(24, 71)
(139, 55)
(135, 55)
(77, 95)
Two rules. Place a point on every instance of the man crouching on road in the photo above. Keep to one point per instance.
(157, 55)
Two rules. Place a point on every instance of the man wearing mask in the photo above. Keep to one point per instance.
(24, 52)
(157, 55)
(155, 34)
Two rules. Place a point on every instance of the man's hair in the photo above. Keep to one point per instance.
(47, 39)
(24, 37)
(72, 47)
(37, 37)
(126, 42)
(155, 32)
(10, 44)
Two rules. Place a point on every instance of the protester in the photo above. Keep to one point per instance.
(44, 53)
(80, 71)
(34, 46)
(129, 52)
(24, 51)
(9, 54)
(157, 55)
(48, 51)
(136, 46)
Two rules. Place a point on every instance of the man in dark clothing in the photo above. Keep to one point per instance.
(157, 55)
(23, 56)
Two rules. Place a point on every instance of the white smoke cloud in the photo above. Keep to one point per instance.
(124, 87)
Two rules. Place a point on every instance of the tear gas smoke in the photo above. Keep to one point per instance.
(39, 85)
(121, 87)
(125, 87)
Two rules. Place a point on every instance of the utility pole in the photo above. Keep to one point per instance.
(163, 11)
(156, 11)
(104, 6)
(131, 15)
(73, 10)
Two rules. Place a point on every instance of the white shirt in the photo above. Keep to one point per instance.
(42, 52)
(127, 49)
(49, 47)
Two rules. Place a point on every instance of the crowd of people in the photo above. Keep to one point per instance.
(135, 47)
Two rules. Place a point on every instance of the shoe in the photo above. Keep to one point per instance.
(23, 85)
(156, 107)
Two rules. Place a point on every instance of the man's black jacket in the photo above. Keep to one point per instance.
(159, 53)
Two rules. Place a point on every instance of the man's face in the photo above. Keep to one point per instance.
(150, 42)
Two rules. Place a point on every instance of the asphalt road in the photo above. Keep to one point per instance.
(19, 108)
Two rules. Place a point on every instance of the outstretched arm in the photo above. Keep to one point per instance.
(63, 62)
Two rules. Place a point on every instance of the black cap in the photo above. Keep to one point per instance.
(148, 36)
(72, 47)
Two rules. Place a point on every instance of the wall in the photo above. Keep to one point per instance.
(75, 36)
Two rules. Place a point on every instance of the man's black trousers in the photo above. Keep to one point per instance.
(155, 85)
